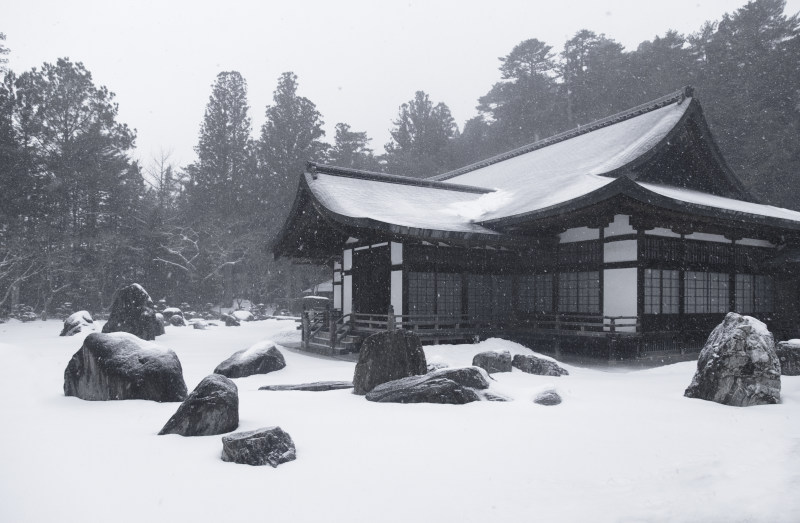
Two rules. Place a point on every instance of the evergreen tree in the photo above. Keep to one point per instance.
(223, 178)
(421, 138)
(524, 106)
(350, 149)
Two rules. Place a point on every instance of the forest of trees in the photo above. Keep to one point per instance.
(79, 218)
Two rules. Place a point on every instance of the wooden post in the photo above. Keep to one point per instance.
(306, 329)
(332, 328)
(390, 319)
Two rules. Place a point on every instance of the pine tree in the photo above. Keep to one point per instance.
(290, 137)
(350, 149)
(421, 138)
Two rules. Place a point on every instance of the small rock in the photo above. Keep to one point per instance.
(230, 321)
(211, 408)
(243, 315)
(267, 446)
(317, 386)
(176, 320)
(788, 353)
(77, 322)
(472, 377)
(493, 361)
(199, 324)
(436, 365)
(548, 398)
(535, 365)
(261, 358)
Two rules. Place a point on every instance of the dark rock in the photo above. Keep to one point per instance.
(738, 365)
(77, 322)
(536, 365)
(317, 386)
(486, 395)
(388, 356)
(493, 361)
(472, 377)
(211, 408)
(230, 321)
(422, 389)
(267, 446)
(176, 320)
(789, 355)
(169, 312)
(120, 366)
(547, 398)
(261, 358)
(132, 311)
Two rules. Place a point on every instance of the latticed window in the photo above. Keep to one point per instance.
(661, 288)
(448, 294)
(536, 293)
(706, 292)
(754, 293)
(421, 293)
(479, 295)
(579, 292)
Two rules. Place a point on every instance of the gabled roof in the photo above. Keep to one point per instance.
(660, 153)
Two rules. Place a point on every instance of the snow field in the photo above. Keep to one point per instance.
(623, 446)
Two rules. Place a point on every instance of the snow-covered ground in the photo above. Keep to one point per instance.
(623, 446)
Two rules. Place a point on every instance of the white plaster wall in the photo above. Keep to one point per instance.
(397, 292)
(661, 231)
(621, 251)
(621, 225)
(619, 295)
(707, 237)
(579, 234)
(337, 297)
(347, 295)
(751, 242)
(397, 254)
(347, 259)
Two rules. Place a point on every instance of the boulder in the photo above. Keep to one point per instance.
(211, 408)
(537, 365)
(80, 321)
(120, 366)
(738, 365)
(422, 389)
(230, 321)
(317, 386)
(169, 312)
(243, 315)
(261, 358)
(132, 311)
(199, 324)
(547, 398)
(493, 361)
(176, 320)
(789, 355)
(388, 356)
(267, 446)
(472, 377)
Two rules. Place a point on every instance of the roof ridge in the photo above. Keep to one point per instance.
(313, 168)
(677, 96)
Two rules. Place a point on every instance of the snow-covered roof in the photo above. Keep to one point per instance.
(568, 171)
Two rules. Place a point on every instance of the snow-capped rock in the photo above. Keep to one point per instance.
(738, 365)
(80, 321)
(261, 358)
(211, 408)
(266, 446)
(121, 366)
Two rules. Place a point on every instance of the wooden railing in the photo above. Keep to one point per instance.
(559, 322)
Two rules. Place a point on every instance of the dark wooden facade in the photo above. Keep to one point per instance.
(646, 264)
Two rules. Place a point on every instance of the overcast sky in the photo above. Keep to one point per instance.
(356, 60)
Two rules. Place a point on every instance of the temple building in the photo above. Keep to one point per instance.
(624, 238)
